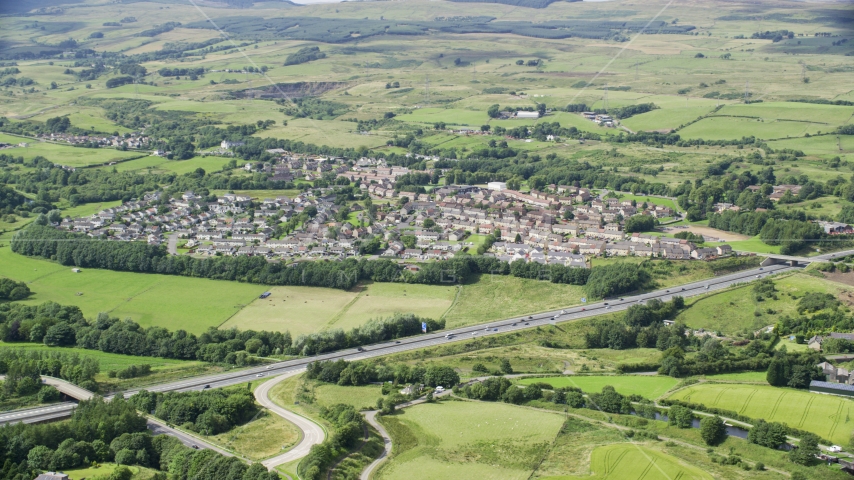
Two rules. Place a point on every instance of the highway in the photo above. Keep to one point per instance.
(61, 410)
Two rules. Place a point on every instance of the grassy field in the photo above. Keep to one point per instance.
(493, 297)
(467, 440)
(824, 415)
(104, 471)
(264, 436)
(633, 462)
(68, 155)
(754, 245)
(192, 304)
(310, 309)
(650, 387)
(736, 310)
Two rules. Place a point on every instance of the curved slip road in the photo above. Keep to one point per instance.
(312, 433)
(371, 418)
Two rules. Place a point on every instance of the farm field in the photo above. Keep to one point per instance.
(665, 118)
(107, 361)
(722, 128)
(633, 462)
(310, 309)
(209, 164)
(192, 304)
(467, 440)
(736, 310)
(647, 386)
(754, 245)
(825, 415)
(68, 155)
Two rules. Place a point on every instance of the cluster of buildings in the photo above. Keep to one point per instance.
(599, 118)
(130, 140)
(560, 225)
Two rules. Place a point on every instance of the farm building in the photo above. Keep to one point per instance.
(527, 115)
(832, 388)
(496, 186)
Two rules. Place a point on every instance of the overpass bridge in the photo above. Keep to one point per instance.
(794, 261)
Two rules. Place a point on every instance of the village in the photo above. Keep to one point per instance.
(562, 225)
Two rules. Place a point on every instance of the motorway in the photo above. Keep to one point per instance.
(311, 434)
(427, 340)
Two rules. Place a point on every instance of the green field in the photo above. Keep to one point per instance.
(309, 309)
(736, 310)
(647, 386)
(722, 128)
(68, 155)
(467, 440)
(267, 434)
(192, 304)
(665, 118)
(634, 462)
(754, 245)
(824, 415)
(493, 297)
(104, 471)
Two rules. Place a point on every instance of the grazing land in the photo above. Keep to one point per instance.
(192, 304)
(647, 386)
(825, 415)
(633, 462)
(468, 439)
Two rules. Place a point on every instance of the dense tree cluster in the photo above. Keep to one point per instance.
(641, 326)
(794, 370)
(615, 279)
(12, 290)
(23, 369)
(86, 438)
(349, 425)
(208, 412)
(342, 372)
(304, 55)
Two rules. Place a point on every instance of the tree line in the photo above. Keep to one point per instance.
(109, 334)
(23, 370)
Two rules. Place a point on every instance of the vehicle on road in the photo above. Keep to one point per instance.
(397, 341)
(529, 318)
(360, 349)
(474, 333)
(834, 448)
(195, 446)
(260, 375)
(513, 324)
(707, 287)
(607, 307)
(606, 303)
(269, 367)
(440, 389)
(527, 323)
(495, 330)
(761, 268)
(563, 312)
(206, 387)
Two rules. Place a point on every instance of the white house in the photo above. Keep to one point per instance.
(227, 144)
(497, 186)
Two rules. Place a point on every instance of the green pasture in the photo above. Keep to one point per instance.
(831, 115)
(467, 440)
(173, 302)
(754, 245)
(87, 209)
(310, 309)
(493, 297)
(362, 397)
(666, 118)
(68, 155)
(104, 470)
(723, 128)
(737, 310)
(740, 377)
(635, 462)
(209, 163)
(824, 415)
(641, 199)
(647, 386)
(821, 145)
(144, 163)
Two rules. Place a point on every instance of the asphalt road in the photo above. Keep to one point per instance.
(427, 340)
(312, 433)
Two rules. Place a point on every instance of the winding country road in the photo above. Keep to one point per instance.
(311, 433)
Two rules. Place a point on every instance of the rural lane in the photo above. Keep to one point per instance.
(311, 433)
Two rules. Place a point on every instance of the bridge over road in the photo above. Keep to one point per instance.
(794, 261)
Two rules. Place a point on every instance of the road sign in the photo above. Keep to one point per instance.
(583, 299)
(424, 327)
